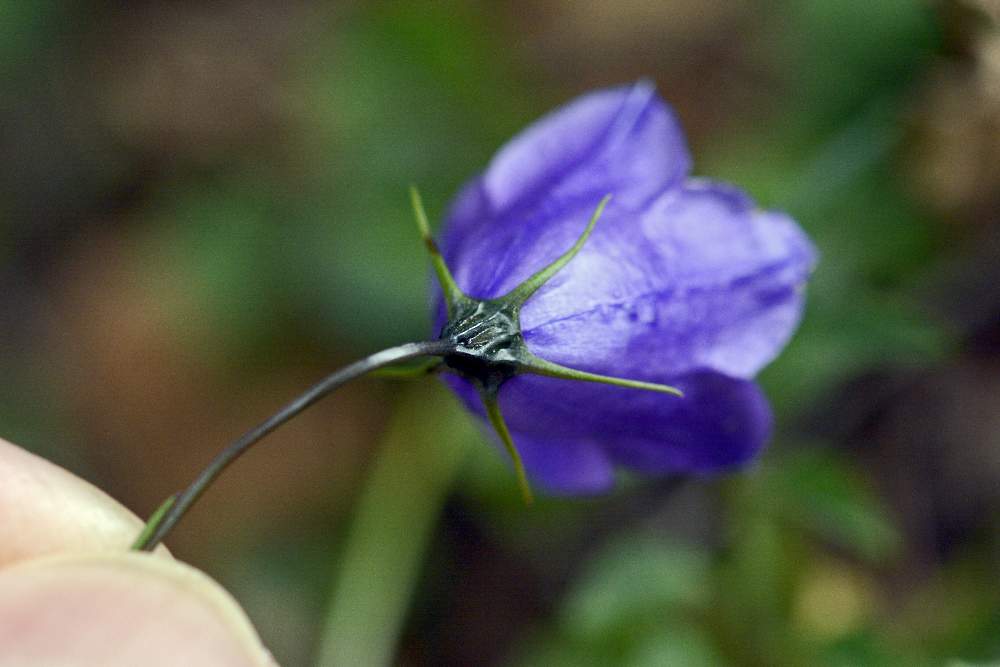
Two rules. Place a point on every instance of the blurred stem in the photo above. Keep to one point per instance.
(417, 461)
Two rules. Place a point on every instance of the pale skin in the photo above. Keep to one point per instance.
(71, 592)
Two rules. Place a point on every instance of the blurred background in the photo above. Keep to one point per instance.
(203, 210)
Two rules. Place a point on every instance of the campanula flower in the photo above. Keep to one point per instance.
(683, 282)
(631, 343)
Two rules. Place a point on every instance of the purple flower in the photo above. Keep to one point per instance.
(682, 282)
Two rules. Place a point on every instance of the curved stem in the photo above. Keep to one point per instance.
(163, 522)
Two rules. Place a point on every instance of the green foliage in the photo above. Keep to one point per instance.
(402, 96)
(635, 603)
(214, 245)
(822, 493)
(25, 29)
(632, 581)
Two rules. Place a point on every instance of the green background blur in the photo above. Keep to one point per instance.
(203, 210)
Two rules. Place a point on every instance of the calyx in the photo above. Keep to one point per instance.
(488, 347)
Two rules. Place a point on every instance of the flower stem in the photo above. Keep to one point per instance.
(378, 570)
(163, 521)
(153, 522)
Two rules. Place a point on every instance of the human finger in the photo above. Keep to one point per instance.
(121, 610)
(45, 509)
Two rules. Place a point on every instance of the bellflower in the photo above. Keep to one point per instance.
(683, 287)
(630, 343)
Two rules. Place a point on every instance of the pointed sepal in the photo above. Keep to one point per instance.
(523, 292)
(500, 426)
(538, 366)
(452, 294)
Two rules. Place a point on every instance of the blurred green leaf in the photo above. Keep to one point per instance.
(819, 491)
(841, 53)
(871, 650)
(25, 27)
(635, 603)
(634, 581)
(755, 581)
(555, 650)
(954, 614)
(405, 95)
(214, 245)
(676, 645)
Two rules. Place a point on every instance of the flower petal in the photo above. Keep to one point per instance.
(719, 424)
(621, 141)
(699, 280)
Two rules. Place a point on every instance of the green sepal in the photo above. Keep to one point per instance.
(489, 347)
(453, 295)
(523, 292)
(538, 366)
(500, 426)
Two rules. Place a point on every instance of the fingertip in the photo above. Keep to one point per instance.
(45, 509)
(121, 609)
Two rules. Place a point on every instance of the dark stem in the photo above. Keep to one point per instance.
(163, 522)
